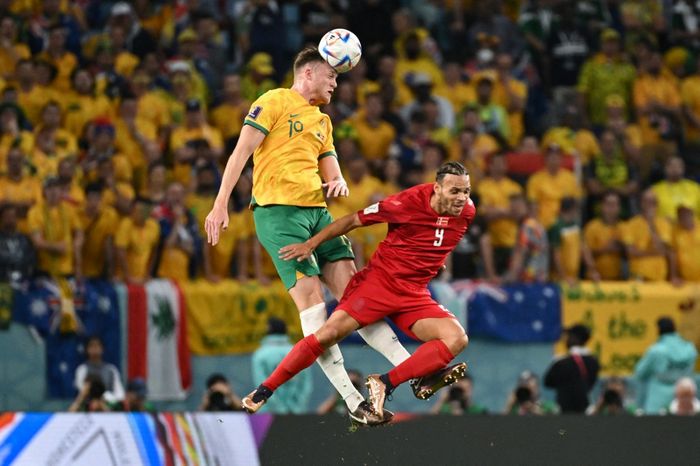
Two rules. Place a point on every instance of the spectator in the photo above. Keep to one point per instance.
(456, 88)
(421, 85)
(71, 190)
(133, 134)
(490, 21)
(53, 143)
(228, 116)
(293, 397)
(571, 135)
(605, 74)
(219, 395)
(416, 68)
(530, 259)
(179, 236)
(91, 396)
(457, 400)
(56, 233)
(375, 135)
(17, 255)
(258, 78)
(647, 238)
(99, 223)
(57, 55)
(21, 190)
(565, 242)
(96, 369)
(626, 133)
(136, 241)
(609, 171)
(574, 375)
(138, 40)
(11, 52)
(675, 190)
(152, 104)
(157, 182)
(657, 102)
(31, 96)
(12, 133)
(663, 364)
(83, 105)
(603, 248)
(568, 45)
(614, 399)
(686, 244)
(187, 139)
(685, 402)
(494, 194)
(493, 116)
(135, 398)
(548, 186)
(528, 401)
(410, 146)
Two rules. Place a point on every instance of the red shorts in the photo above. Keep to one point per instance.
(369, 298)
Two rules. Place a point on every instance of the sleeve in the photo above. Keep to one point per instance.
(666, 231)
(35, 220)
(626, 234)
(118, 389)
(264, 113)
(80, 374)
(532, 187)
(328, 149)
(390, 210)
(645, 367)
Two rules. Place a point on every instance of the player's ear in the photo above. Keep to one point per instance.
(436, 187)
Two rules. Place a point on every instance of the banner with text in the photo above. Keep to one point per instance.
(623, 315)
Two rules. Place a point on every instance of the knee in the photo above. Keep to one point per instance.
(327, 336)
(456, 342)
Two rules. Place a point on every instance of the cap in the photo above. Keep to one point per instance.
(121, 8)
(609, 34)
(138, 386)
(420, 79)
(580, 331)
(193, 105)
(188, 35)
(261, 63)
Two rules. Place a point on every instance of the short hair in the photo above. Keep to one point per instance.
(450, 168)
(216, 378)
(307, 55)
(665, 325)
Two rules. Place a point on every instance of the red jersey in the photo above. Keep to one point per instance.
(419, 239)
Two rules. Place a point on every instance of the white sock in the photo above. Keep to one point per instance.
(331, 361)
(384, 340)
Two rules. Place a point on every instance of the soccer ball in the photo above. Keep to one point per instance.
(341, 49)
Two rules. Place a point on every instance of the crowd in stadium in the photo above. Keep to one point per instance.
(579, 122)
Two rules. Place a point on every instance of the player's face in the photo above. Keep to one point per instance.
(323, 82)
(453, 193)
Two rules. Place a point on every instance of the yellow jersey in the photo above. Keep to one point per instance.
(97, 231)
(138, 242)
(636, 233)
(548, 190)
(25, 191)
(596, 235)
(298, 135)
(496, 193)
(228, 118)
(55, 224)
(374, 141)
(686, 244)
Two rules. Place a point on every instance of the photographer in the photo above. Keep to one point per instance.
(613, 399)
(90, 399)
(525, 397)
(457, 400)
(219, 395)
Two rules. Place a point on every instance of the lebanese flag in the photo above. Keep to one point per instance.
(157, 345)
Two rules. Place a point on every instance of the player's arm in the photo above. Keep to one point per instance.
(302, 251)
(249, 140)
(332, 176)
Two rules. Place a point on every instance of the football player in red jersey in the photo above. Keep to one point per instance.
(425, 224)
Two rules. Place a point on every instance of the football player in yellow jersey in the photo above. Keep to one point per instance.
(292, 142)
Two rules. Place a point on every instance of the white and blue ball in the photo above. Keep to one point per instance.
(341, 49)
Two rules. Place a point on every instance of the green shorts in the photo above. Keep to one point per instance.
(282, 225)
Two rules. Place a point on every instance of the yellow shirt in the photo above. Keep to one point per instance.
(138, 243)
(686, 244)
(200, 206)
(671, 195)
(153, 106)
(596, 235)
(82, 109)
(241, 228)
(26, 191)
(636, 233)
(26, 143)
(125, 62)
(228, 119)
(128, 145)
(424, 65)
(8, 61)
(484, 145)
(33, 101)
(286, 163)
(663, 89)
(362, 194)
(97, 232)
(690, 95)
(374, 141)
(581, 142)
(500, 97)
(548, 191)
(55, 224)
(497, 194)
(64, 66)
(182, 172)
(459, 95)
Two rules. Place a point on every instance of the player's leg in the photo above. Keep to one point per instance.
(301, 356)
(444, 339)
(379, 335)
(279, 226)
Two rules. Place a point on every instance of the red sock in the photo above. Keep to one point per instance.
(299, 358)
(428, 358)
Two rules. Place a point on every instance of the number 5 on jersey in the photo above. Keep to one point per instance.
(440, 235)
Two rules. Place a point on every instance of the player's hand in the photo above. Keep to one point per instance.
(298, 251)
(217, 218)
(336, 188)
